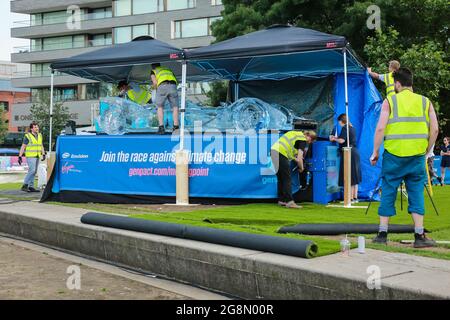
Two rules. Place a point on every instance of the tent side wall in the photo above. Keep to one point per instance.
(364, 110)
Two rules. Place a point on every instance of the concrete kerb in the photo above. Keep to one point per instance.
(238, 272)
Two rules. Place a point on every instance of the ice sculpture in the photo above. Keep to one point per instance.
(119, 116)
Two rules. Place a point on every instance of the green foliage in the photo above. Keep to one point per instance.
(41, 114)
(415, 32)
(427, 60)
(3, 125)
(218, 93)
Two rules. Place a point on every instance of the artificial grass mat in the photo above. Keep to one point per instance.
(268, 218)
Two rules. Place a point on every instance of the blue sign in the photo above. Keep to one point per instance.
(232, 166)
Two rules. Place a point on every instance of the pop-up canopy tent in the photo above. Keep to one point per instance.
(274, 54)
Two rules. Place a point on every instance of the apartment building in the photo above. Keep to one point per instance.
(63, 28)
(10, 95)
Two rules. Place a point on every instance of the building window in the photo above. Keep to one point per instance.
(59, 94)
(101, 13)
(71, 42)
(180, 4)
(216, 2)
(4, 106)
(193, 28)
(122, 8)
(103, 39)
(126, 34)
(147, 6)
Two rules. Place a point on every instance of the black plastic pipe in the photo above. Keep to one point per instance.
(328, 229)
(291, 247)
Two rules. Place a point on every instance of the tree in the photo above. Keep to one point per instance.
(40, 112)
(416, 32)
(426, 60)
(3, 124)
(217, 93)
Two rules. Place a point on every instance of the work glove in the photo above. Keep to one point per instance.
(19, 161)
(44, 156)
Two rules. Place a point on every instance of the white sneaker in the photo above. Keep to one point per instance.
(292, 205)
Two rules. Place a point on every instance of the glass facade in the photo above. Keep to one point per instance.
(122, 8)
(180, 4)
(147, 6)
(126, 34)
(216, 2)
(193, 28)
(71, 42)
(45, 18)
(129, 7)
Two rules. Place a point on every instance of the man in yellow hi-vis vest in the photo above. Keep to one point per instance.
(409, 127)
(290, 147)
(387, 78)
(165, 83)
(138, 94)
(33, 148)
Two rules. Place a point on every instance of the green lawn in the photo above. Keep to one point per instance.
(10, 186)
(268, 218)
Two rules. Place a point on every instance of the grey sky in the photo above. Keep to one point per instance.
(6, 21)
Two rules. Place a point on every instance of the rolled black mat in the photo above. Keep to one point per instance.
(328, 229)
(291, 247)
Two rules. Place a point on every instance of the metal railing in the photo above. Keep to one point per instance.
(63, 46)
(61, 19)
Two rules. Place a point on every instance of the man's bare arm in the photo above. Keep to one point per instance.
(373, 74)
(379, 132)
(22, 150)
(434, 128)
(300, 160)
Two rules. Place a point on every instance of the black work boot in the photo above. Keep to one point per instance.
(381, 238)
(31, 189)
(175, 128)
(161, 130)
(421, 241)
(25, 188)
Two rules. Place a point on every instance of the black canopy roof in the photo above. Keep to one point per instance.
(276, 39)
(125, 54)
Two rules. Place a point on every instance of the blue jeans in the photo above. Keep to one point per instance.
(394, 171)
(33, 164)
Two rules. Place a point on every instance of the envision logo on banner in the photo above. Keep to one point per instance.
(67, 155)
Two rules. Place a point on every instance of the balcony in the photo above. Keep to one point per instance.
(33, 6)
(42, 53)
(63, 45)
(63, 25)
(41, 79)
(61, 20)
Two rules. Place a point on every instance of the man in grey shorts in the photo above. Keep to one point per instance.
(165, 83)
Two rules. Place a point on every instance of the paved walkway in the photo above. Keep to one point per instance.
(402, 276)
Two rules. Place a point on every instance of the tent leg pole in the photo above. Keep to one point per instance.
(51, 112)
(182, 156)
(236, 91)
(348, 150)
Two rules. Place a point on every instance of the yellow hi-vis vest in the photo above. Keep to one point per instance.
(164, 74)
(286, 144)
(34, 146)
(407, 131)
(389, 82)
(141, 97)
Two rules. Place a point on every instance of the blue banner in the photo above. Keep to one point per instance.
(232, 166)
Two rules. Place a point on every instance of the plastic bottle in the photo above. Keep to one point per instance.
(361, 244)
(345, 246)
